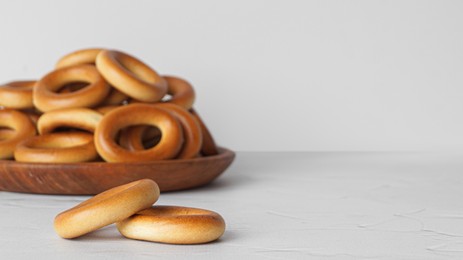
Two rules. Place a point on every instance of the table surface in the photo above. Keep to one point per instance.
(281, 206)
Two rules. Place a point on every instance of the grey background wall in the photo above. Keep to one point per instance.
(274, 75)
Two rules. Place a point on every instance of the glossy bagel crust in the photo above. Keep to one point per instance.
(17, 94)
(131, 76)
(45, 97)
(80, 118)
(64, 147)
(181, 91)
(173, 225)
(79, 57)
(138, 114)
(22, 126)
(106, 208)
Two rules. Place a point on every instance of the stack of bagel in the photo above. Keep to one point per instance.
(101, 104)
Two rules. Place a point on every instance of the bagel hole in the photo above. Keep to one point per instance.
(132, 67)
(6, 133)
(72, 87)
(62, 129)
(151, 136)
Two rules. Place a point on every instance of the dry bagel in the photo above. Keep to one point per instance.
(106, 208)
(173, 225)
(81, 118)
(131, 76)
(181, 91)
(17, 94)
(138, 114)
(45, 97)
(65, 147)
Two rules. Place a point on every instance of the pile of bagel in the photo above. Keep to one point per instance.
(100, 104)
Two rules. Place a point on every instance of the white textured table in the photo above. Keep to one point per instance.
(282, 206)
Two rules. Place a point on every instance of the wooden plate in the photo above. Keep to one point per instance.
(95, 177)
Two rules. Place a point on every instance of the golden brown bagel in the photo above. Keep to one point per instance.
(173, 225)
(131, 76)
(45, 97)
(65, 147)
(85, 56)
(133, 138)
(138, 114)
(22, 126)
(106, 208)
(81, 118)
(17, 94)
(181, 91)
(208, 147)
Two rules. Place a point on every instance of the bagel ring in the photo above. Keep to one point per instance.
(22, 126)
(191, 132)
(106, 208)
(65, 147)
(81, 118)
(181, 91)
(45, 98)
(173, 225)
(85, 56)
(88, 56)
(131, 76)
(208, 147)
(17, 94)
(133, 138)
(138, 114)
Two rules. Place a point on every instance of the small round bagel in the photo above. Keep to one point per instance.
(65, 147)
(133, 139)
(131, 76)
(208, 147)
(17, 94)
(22, 126)
(181, 91)
(81, 118)
(173, 225)
(138, 114)
(106, 208)
(85, 56)
(45, 97)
